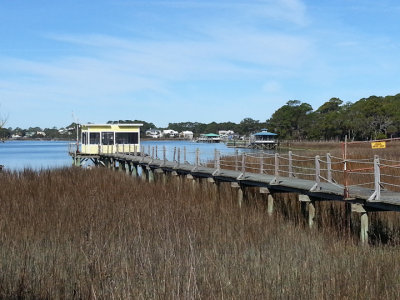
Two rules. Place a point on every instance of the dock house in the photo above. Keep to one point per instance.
(110, 138)
(209, 138)
(263, 140)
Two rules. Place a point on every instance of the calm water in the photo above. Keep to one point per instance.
(16, 155)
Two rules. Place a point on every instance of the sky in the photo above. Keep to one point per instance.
(167, 61)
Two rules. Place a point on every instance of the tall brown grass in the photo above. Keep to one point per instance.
(98, 234)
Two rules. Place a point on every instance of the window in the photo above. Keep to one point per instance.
(84, 138)
(94, 137)
(127, 137)
(107, 138)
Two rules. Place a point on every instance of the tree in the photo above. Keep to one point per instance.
(248, 125)
(292, 120)
(328, 120)
(3, 120)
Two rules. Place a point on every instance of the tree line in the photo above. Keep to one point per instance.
(368, 118)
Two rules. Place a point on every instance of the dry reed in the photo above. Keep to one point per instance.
(88, 234)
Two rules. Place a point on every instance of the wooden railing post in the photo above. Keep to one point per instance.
(164, 154)
(179, 156)
(329, 167)
(219, 161)
(217, 164)
(290, 164)
(197, 162)
(261, 164)
(184, 155)
(376, 196)
(276, 172)
(236, 160)
(243, 164)
(215, 158)
(317, 185)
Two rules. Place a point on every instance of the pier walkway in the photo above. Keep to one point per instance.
(365, 185)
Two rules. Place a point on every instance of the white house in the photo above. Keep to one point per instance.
(188, 135)
(170, 133)
(154, 133)
(226, 132)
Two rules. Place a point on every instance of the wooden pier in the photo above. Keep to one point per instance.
(271, 173)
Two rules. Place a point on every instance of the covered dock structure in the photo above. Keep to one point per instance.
(263, 140)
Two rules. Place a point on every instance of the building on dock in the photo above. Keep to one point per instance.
(263, 140)
(209, 138)
(110, 138)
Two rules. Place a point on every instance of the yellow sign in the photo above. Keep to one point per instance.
(378, 145)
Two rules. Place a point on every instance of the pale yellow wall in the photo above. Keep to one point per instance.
(94, 149)
(115, 128)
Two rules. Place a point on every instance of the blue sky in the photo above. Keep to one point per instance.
(196, 60)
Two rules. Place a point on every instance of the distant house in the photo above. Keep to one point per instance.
(30, 134)
(170, 133)
(188, 135)
(153, 133)
(226, 132)
(64, 131)
(42, 133)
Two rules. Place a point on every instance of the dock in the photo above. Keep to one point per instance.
(313, 178)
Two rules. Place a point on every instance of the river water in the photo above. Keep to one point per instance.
(17, 155)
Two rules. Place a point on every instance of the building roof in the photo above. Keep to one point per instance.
(211, 135)
(264, 132)
(109, 125)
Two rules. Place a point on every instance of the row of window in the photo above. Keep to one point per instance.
(110, 138)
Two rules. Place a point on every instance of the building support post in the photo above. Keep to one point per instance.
(77, 161)
(192, 181)
(265, 193)
(358, 208)
(121, 166)
(364, 229)
(150, 173)
(240, 192)
(128, 167)
(177, 180)
(144, 173)
(133, 169)
(214, 184)
(308, 209)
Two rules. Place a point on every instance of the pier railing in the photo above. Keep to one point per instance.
(374, 173)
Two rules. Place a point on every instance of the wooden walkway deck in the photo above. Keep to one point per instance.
(360, 198)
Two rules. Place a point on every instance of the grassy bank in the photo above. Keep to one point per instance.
(75, 233)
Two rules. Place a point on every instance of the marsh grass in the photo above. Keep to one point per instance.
(98, 234)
